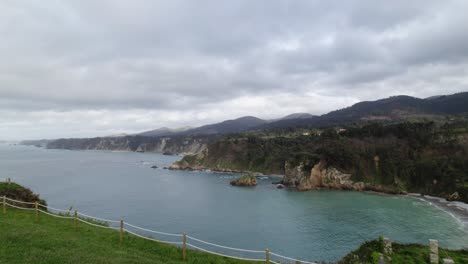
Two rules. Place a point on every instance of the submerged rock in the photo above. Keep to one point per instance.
(154, 167)
(245, 181)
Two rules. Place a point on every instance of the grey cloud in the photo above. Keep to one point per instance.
(173, 56)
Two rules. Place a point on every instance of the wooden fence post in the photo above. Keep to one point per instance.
(75, 220)
(4, 204)
(37, 212)
(121, 230)
(267, 256)
(184, 246)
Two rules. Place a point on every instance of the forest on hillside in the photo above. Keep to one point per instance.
(424, 157)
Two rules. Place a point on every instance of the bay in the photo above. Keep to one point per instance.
(317, 225)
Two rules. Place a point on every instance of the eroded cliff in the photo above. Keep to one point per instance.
(320, 176)
(169, 145)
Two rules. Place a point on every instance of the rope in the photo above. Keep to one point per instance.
(219, 254)
(99, 219)
(108, 227)
(21, 202)
(274, 262)
(216, 245)
(55, 209)
(152, 231)
(148, 238)
(297, 260)
(17, 207)
(55, 215)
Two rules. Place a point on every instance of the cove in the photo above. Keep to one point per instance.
(316, 225)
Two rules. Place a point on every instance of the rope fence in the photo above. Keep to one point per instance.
(152, 235)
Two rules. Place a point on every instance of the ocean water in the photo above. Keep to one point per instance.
(316, 225)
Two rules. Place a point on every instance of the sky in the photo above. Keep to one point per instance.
(84, 68)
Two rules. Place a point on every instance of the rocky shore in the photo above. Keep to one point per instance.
(176, 166)
(320, 177)
(323, 176)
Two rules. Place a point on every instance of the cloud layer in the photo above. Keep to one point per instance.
(86, 68)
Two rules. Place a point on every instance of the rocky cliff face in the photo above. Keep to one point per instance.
(320, 176)
(293, 174)
(170, 145)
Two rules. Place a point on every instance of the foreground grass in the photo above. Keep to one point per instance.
(53, 240)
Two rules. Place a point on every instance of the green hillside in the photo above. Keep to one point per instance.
(53, 240)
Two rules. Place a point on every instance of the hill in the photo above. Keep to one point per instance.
(396, 108)
(229, 126)
(163, 131)
(413, 157)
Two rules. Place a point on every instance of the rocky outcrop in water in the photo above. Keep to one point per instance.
(248, 180)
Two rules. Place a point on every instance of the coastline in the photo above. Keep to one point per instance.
(456, 209)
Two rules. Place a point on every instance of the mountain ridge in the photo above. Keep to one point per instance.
(391, 109)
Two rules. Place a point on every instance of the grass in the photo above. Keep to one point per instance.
(402, 254)
(53, 240)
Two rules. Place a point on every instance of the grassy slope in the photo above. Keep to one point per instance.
(54, 240)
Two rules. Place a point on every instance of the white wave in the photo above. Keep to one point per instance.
(227, 177)
(460, 220)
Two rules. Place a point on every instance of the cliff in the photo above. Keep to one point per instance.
(170, 145)
(408, 157)
(320, 176)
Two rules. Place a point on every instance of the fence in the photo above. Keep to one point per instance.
(183, 240)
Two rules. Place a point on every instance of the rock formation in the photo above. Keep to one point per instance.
(320, 176)
(293, 174)
(245, 181)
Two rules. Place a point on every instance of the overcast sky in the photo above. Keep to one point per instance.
(91, 68)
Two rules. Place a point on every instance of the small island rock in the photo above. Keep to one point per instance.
(245, 181)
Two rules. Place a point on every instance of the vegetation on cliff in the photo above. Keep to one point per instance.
(17, 192)
(423, 157)
(369, 252)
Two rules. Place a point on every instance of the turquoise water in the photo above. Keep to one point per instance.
(317, 225)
